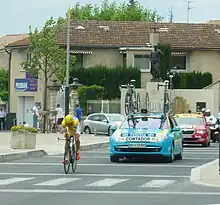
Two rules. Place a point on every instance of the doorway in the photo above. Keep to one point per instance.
(25, 105)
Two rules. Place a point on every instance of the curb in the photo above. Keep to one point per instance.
(41, 153)
(195, 176)
(22, 155)
(93, 146)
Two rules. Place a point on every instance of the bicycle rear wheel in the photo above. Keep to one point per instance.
(67, 161)
(127, 103)
(73, 158)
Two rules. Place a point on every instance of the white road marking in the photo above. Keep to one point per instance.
(102, 165)
(57, 182)
(54, 191)
(89, 157)
(98, 175)
(106, 182)
(158, 183)
(13, 180)
(201, 153)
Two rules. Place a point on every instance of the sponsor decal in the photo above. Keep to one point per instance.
(142, 139)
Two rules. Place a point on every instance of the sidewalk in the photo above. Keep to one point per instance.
(47, 144)
(207, 174)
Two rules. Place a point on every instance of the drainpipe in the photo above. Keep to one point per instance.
(9, 78)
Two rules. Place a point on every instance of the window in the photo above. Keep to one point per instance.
(200, 105)
(189, 120)
(142, 62)
(145, 123)
(94, 118)
(179, 62)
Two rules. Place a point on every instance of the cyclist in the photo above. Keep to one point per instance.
(71, 127)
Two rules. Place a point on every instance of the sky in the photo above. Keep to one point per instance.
(17, 15)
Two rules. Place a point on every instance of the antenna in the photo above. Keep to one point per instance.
(171, 14)
(188, 9)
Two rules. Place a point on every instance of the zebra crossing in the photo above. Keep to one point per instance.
(98, 183)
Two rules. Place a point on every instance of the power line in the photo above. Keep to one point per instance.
(171, 15)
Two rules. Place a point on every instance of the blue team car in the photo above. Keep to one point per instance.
(146, 134)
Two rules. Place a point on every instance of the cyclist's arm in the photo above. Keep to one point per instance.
(63, 124)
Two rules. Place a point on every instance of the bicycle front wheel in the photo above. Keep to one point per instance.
(73, 156)
(67, 161)
(138, 102)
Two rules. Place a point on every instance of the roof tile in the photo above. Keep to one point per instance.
(132, 33)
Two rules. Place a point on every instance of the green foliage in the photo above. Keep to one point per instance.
(133, 11)
(109, 78)
(165, 61)
(46, 55)
(193, 80)
(4, 85)
(21, 128)
(92, 92)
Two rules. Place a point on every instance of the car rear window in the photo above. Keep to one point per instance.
(189, 120)
(145, 123)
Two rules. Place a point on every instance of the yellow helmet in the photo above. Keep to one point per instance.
(68, 119)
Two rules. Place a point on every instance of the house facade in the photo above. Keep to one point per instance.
(195, 47)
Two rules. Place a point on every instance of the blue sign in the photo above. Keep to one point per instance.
(28, 75)
(26, 85)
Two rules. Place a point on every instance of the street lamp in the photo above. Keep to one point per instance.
(67, 86)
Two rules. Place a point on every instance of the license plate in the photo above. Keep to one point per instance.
(136, 145)
(187, 136)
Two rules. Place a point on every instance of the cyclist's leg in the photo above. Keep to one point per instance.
(77, 135)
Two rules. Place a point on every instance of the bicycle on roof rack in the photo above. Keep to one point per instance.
(132, 98)
(166, 100)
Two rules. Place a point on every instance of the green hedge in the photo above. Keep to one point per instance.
(109, 78)
(165, 60)
(193, 80)
(92, 92)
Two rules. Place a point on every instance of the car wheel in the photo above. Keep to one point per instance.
(171, 158)
(180, 155)
(206, 144)
(209, 143)
(87, 130)
(109, 132)
(114, 159)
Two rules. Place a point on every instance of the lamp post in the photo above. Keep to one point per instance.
(67, 87)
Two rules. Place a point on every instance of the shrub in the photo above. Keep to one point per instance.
(21, 128)
(109, 78)
(85, 93)
(192, 80)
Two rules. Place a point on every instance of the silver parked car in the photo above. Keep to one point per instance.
(101, 123)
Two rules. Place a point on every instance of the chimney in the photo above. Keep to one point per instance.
(154, 36)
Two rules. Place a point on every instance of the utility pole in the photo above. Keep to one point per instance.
(171, 15)
(188, 9)
(67, 87)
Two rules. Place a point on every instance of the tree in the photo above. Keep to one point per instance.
(47, 58)
(4, 85)
(133, 11)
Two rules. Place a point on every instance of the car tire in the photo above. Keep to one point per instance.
(180, 155)
(171, 158)
(87, 130)
(109, 132)
(114, 159)
(207, 144)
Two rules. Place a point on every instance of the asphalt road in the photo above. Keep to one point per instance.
(41, 181)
